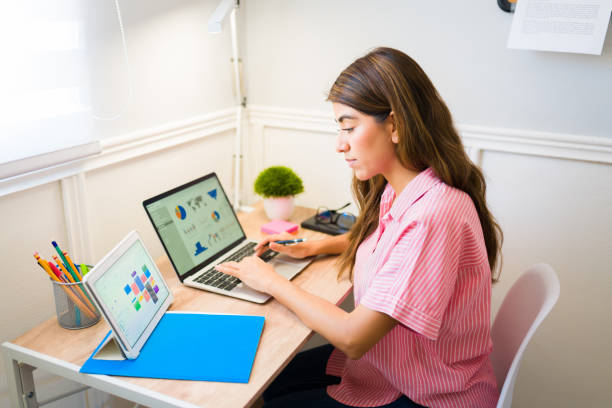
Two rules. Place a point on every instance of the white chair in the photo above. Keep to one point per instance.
(528, 302)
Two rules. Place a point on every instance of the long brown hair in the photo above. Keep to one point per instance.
(387, 80)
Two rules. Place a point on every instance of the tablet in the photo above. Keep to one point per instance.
(130, 292)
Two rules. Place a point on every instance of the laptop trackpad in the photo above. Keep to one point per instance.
(288, 267)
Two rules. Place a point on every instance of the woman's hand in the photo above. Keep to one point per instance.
(252, 271)
(298, 251)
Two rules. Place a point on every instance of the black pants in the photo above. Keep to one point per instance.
(303, 383)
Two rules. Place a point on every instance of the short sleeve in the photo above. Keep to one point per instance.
(416, 282)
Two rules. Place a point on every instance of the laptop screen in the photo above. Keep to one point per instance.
(195, 222)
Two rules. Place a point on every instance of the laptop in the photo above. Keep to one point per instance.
(198, 228)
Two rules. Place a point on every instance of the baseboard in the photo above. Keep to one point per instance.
(476, 138)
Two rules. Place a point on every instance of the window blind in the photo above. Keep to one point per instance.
(45, 119)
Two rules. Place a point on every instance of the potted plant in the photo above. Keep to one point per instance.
(278, 185)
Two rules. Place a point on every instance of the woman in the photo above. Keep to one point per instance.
(420, 256)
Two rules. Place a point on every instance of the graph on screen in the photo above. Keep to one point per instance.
(132, 290)
(141, 288)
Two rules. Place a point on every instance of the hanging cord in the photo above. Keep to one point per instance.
(129, 71)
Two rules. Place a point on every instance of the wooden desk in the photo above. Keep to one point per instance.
(62, 352)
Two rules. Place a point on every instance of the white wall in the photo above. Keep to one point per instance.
(558, 211)
(116, 192)
(295, 50)
(178, 69)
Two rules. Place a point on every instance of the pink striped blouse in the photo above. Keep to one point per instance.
(426, 266)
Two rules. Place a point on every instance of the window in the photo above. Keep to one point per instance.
(44, 86)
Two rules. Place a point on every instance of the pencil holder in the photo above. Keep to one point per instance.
(75, 309)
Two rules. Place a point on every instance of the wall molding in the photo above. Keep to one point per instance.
(126, 147)
(535, 143)
(476, 138)
(136, 144)
(152, 140)
(297, 119)
(74, 193)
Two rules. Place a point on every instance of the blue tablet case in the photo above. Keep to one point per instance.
(191, 346)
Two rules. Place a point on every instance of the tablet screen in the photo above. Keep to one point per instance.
(132, 290)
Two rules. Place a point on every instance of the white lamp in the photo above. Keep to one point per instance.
(214, 22)
(214, 26)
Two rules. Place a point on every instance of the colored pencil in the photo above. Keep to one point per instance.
(42, 263)
(72, 266)
(84, 269)
(77, 273)
(53, 269)
(57, 272)
(77, 287)
(63, 258)
(64, 270)
(77, 301)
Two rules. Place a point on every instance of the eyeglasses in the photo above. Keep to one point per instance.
(343, 220)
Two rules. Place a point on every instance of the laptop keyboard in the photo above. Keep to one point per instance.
(220, 280)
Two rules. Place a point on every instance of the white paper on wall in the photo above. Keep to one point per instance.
(577, 26)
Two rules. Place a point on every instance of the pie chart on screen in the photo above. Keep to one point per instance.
(180, 212)
(215, 216)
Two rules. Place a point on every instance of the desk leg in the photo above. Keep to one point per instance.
(20, 383)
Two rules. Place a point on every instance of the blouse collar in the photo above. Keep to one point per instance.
(413, 191)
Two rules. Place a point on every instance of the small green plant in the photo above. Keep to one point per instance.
(278, 181)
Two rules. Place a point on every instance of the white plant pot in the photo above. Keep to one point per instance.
(279, 208)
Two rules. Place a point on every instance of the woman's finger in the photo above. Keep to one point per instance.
(263, 243)
(268, 243)
(227, 268)
(253, 259)
(261, 247)
(266, 240)
(278, 247)
(230, 264)
(274, 237)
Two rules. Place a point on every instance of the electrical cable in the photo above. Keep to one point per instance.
(129, 70)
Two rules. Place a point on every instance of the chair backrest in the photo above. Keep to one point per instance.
(526, 304)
